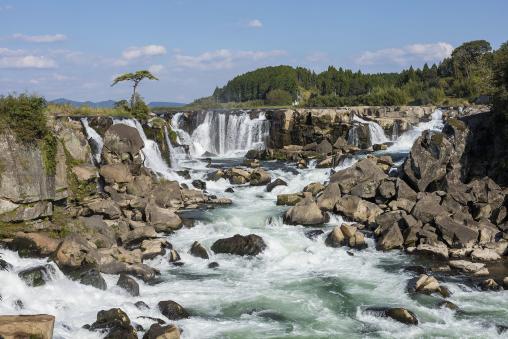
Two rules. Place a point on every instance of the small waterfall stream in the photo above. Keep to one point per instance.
(94, 139)
(376, 132)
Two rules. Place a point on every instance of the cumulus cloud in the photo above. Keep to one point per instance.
(255, 23)
(144, 51)
(223, 58)
(18, 59)
(403, 56)
(39, 38)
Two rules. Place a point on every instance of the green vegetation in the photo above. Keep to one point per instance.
(138, 108)
(25, 116)
(68, 110)
(465, 76)
(49, 149)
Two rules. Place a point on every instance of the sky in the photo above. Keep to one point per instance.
(74, 49)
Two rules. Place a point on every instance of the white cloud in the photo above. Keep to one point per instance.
(255, 23)
(39, 38)
(139, 52)
(20, 59)
(156, 69)
(403, 56)
(223, 58)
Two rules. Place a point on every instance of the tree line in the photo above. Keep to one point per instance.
(466, 76)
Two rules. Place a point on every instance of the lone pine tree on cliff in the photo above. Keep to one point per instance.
(138, 107)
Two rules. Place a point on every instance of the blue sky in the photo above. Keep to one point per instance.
(74, 49)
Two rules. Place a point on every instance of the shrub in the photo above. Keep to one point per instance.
(278, 97)
(139, 109)
(25, 116)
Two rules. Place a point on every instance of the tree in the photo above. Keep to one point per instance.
(278, 97)
(136, 78)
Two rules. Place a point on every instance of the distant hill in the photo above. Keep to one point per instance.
(110, 103)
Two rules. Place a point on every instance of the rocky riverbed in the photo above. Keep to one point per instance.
(317, 232)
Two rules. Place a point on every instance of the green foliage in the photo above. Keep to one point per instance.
(278, 97)
(136, 78)
(68, 110)
(25, 116)
(122, 104)
(139, 110)
(49, 149)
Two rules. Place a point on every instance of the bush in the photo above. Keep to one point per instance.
(278, 97)
(25, 116)
(139, 109)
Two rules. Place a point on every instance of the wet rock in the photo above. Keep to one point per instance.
(398, 313)
(313, 234)
(290, 199)
(116, 323)
(315, 188)
(230, 190)
(275, 183)
(438, 250)
(173, 310)
(357, 209)
(448, 304)
(329, 197)
(4, 265)
(390, 238)
(184, 174)
(33, 244)
(91, 277)
(128, 284)
(37, 276)
(260, 177)
(157, 331)
(306, 212)
(213, 264)
(162, 219)
(157, 320)
(173, 256)
(240, 245)
(485, 254)
(152, 248)
(199, 184)
(74, 252)
(141, 305)
(466, 266)
(335, 238)
(140, 271)
(198, 251)
(490, 285)
(27, 326)
(427, 284)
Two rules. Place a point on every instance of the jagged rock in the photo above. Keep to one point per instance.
(260, 177)
(33, 244)
(27, 326)
(335, 238)
(439, 250)
(152, 248)
(74, 252)
(326, 163)
(141, 186)
(168, 194)
(315, 188)
(306, 212)
(4, 266)
(404, 191)
(324, 147)
(275, 183)
(128, 284)
(141, 271)
(27, 212)
(199, 251)
(85, 172)
(120, 139)
(240, 245)
(116, 173)
(329, 197)
(90, 277)
(466, 266)
(116, 323)
(157, 331)
(490, 284)
(199, 184)
(138, 235)
(454, 233)
(108, 208)
(364, 170)
(141, 305)
(290, 199)
(399, 314)
(173, 256)
(428, 284)
(162, 219)
(357, 209)
(387, 189)
(485, 254)
(390, 238)
(428, 208)
(37, 276)
(173, 310)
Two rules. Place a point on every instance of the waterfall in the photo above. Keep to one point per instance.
(376, 132)
(224, 133)
(94, 139)
(395, 131)
(352, 136)
(151, 152)
(176, 153)
(407, 139)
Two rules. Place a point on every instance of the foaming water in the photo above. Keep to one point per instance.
(376, 132)
(94, 139)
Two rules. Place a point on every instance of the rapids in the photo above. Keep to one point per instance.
(297, 288)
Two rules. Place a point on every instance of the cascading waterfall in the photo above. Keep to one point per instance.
(223, 133)
(94, 139)
(352, 136)
(176, 153)
(376, 132)
(395, 131)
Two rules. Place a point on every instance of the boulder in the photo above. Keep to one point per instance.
(485, 254)
(90, 277)
(141, 186)
(172, 310)
(27, 326)
(116, 323)
(428, 208)
(315, 188)
(168, 194)
(324, 147)
(26, 212)
(306, 212)
(357, 209)
(162, 219)
(329, 197)
(85, 172)
(490, 285)
(398, 313)
(33, 244)
(116, 173)
(326, 163)
(128, 284)
(290, 199)
(454, 233)
(199, 184)
(260, 177)
(466, 266)
(156, 331)
(240, 245)
(438, 250)
(363, 170)
(37, 276)
(107, 208)
(137, 235)
(387, 189)
(275, 183)
(198, 250)
(335, 238)
(390, 238)
(120, 139)
(74, 252)
(152, 248)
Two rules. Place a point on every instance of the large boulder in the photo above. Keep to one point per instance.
(275, 183)
(27, 326)
(33, 244)
(122, 139)
(454, 233)
(306, 212)
(157, 331)
(240, 245)
(116, 173)
(357, 209)
(428, 208)
(37, 276)
(167, 194)
(365, 170)
(398, 313)
(173, 310)
(128, 284)
(324, 147)
(329, 197)
(198, 251)
(162, 219)
(260, 177)
(390, 238)
(74, 252)
(116, 323)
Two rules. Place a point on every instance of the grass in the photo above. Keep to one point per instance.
(68, 110)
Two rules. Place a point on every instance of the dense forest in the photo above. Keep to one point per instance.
(466, 76)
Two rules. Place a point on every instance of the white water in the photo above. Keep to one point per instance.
(97, 139)
(297, 288)
(376, 132)
(404, 143)
(224, 134)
